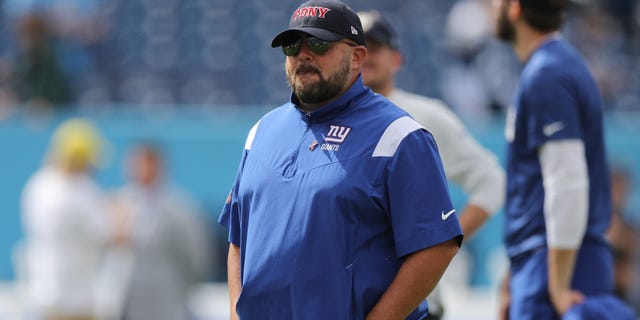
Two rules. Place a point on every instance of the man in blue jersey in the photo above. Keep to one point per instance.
(558, 196)
(340, 208)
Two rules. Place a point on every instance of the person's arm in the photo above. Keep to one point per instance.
(478, 173)
(234, 281)
(561, 264)
(472, 218)
(504, 301)
(417, 277)
(566, 186)
(467, 164)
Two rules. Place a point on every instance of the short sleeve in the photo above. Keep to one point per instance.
(421, 210)
(230, 215)
(466, 162)
(552, 106)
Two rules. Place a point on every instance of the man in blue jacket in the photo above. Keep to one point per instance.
(340, 209)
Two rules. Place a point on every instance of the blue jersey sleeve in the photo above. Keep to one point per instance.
(422, 214)
(552, 108)
(230, 215)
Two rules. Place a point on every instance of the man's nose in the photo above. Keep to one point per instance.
(305, 53)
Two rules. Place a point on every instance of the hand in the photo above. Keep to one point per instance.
(121, 223)
(564, 299)
(503, 305)
(504, 300)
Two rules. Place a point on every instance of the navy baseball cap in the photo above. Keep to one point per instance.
(328, 20)
(376, 27)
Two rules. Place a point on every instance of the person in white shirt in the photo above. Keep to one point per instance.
(66, 226)
(466, 163)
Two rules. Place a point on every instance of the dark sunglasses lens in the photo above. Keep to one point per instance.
(318, 46)
(292, 48)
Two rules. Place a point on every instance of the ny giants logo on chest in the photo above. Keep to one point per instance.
(319, 12)
(335, 136)
(337, 133)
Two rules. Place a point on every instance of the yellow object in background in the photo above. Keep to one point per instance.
(77, 142)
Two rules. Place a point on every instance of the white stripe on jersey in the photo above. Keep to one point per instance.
(393, 136)
(251, 136)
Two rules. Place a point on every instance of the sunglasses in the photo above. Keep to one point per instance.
(314, 44)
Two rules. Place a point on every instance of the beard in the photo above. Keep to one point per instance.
(323, 89)
(504, 29)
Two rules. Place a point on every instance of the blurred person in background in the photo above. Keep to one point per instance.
(37, 76)
(340, 208)
(169, 248)
(480, 72)
(466, 162)
(558, 204)
(66, 225)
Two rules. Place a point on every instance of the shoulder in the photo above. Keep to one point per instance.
(391, 124)
(431, 113)
(555, 62)
(394, 134)
(418, 105)
(46, 179)
(401, 97)
(373, 111)
(279, 115)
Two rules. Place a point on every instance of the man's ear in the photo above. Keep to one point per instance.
(398, 60)
(357, 57)
(515, 10)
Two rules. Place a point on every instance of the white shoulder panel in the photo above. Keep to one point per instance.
(393, 136)
(250, 136)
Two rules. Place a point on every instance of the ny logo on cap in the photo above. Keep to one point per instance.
(319, 12)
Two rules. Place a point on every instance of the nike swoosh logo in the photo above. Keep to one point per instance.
(446, 215)
(552, 128)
